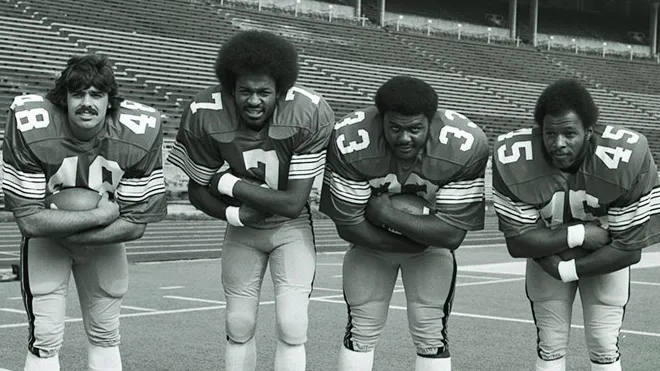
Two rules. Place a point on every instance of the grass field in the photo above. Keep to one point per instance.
(172, 319)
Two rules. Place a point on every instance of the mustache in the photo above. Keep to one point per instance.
(86, 108)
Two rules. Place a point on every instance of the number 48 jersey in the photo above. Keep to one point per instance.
(41, 156)
(292, 146)
(449, 174)
(617, 183)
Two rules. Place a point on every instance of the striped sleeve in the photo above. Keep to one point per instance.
(24, 181)
(193, 152)
(634, 220)
(141, 191)
(307, 166)
(461, 202)
(514, 217)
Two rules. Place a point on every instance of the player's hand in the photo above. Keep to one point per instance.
(595, 237)
(106, 210)
(550, 264)
(574, 253)
(249, 215)
(377, 208)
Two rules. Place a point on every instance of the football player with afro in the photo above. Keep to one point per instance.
(252, 146)
(81, 140)
(403, 145)
(579, 200)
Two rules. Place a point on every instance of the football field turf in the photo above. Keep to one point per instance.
(172, 316)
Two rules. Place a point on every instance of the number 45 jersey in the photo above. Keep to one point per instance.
(41, 156)
(449, 173)
(292, 145)
(617, 183)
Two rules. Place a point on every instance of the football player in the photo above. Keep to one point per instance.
(81, 134)
(403, 144)
(272, 135)
(579, 200)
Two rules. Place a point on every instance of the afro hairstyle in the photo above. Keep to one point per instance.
(566, 95)
(257, 52)
(407, 96)
(83, 72)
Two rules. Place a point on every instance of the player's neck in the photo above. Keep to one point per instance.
(84, 134)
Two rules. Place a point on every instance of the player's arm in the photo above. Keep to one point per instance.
(288, 202)
(344, 201)
(40, 222)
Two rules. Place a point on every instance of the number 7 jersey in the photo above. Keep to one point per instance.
(41, 156)
(617, 184)
(291, 146)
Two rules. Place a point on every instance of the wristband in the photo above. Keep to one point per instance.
(226, 184)
(575, 235)
(231, 213)
(567, 271)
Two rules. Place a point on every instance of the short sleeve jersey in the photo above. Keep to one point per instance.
(617, 183)
(449, 173)
(292, 146)
(41, 156)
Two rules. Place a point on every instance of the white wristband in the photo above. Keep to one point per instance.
(567, 271)
(232, 215)
(226, 184)
(575, 235)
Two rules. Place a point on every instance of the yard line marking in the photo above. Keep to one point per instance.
(15, 298)
(171, 287)
(646, 283)
(489, 282)
(141, 314)
(482, 277)
(140, 309)
(194, 299)
(12, 310)
(326, 289)
(496, 318)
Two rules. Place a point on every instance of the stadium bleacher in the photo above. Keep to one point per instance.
(163, 53)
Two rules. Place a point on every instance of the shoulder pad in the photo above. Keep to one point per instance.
(139, 124)
(519, 160)
(36, 118)
(358, 135)
(454, 138)
(211, 112)
(618, 154)
(300, 108)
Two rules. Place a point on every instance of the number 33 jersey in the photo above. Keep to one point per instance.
(449, 174)
(41, 156)
(617, 184)
(291, 146)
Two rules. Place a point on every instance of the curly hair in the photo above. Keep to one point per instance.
(408, 96)
(566, 95)
(82, 72)
(257, 52)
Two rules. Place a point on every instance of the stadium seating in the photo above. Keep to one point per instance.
(163, 53)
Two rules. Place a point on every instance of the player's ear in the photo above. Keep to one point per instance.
(589, 131)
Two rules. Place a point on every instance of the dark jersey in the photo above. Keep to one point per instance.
(292, 146)
(41, 156)
(617, 183)
(450, 174)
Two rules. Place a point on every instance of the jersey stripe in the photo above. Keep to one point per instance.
(350, 191)
(179, 158)
(307, 166)
(26, 185)
(622, 218)
(140, 189)
(517, 211)
(466, 191)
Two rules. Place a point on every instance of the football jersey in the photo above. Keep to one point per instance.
(292, 145)
(41, 156)
(450, 174)
(617, 183)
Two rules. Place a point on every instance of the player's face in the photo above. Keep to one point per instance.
(255, 98)
(565, 138)
(86, 109)
(406, 134)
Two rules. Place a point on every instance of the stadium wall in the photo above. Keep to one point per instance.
(305, 6)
